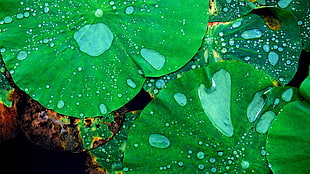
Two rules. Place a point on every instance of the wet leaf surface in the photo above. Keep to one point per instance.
(228, 10)
(198, 135)
(288, 139)
(74, 52)
(110, 155)
(301, 10)
(257, 41)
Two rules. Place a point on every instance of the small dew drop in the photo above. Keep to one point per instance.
(60, 104)
(200, 155)
(129, 10)
(21, 55)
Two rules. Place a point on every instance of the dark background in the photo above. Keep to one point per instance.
(19, 156)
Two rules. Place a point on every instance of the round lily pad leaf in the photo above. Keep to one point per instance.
(199, 123)
(269, 46)
(228, 10)
(288, 139)
(301, 10)
(90, 58)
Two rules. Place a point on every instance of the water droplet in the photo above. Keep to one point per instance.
(159, 141)
(160, 83)
(273, 58)
(284, 3)
(236, 24)
(247, 58)
(266, 48)
(103, 109)
(218, 96)
(287, 95)
(180, 98)
(21, 55)
(98, 13)
(212, 160)
(180, 163)
(94, 39)
(131, 83)
(200, 155)
(252, 34)
(46, 9)
(201, 166)
(256, 106)
(276, 101)
(129, 10)
(80, 69)
(60, 104)
(265, 122)
(8, 19)
(245, 164)
(154, 58)
(19, 15)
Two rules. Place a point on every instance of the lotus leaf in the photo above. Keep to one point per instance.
(288, 139)
(88, 58)
(273, 49)
(199, 123)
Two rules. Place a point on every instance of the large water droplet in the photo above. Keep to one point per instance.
(94, 39)
(154, 58)
(216, 102)
(103, 109)
(284, 3)
(252, 34)
(265, 122)
(60, 104)
(273, 58)
(21, 55)
(180, 98)
(287, 95)
(159, 141)
(256, 106)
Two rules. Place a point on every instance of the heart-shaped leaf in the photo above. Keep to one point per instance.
(199, 123)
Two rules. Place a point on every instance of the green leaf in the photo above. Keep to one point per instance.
(275, 51)
(301, 10)
(199, 123)
(228, 10)
(110, 155)
(305, 88)
(78, 57)
(288, 139)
